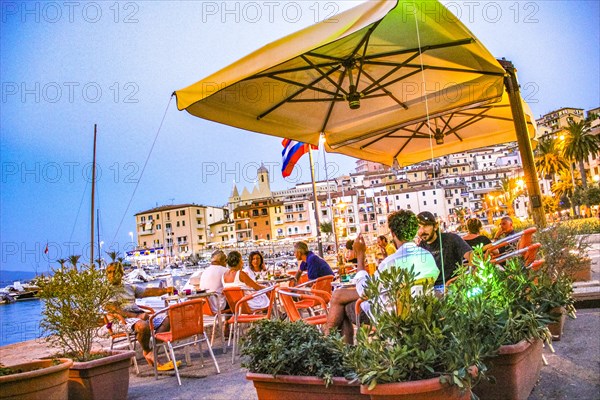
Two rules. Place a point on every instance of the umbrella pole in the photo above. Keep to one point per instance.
(533, 186)
(315, 202)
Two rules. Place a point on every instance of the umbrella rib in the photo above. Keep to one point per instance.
(305, 86)
(302, 89)
(336, 85)
(394, 81)
(364, 41)
(448, 69)
(387, 92)
(391, 72)
(271, 74)
(422, 49)
(330, 110)
(389, 134)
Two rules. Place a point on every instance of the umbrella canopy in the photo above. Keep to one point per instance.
(382, 81)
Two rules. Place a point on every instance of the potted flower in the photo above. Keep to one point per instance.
(565, 252)
(419, 347)
(295, 361)
(36, 379)
(73, 314)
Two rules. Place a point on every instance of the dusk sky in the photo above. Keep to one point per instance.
(67, 66)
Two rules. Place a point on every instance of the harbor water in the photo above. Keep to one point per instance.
(20, 321)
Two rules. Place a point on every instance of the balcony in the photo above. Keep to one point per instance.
(146, 232)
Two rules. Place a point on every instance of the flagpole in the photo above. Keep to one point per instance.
(315, 203)
(333, 227)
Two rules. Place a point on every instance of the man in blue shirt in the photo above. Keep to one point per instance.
(312, 263)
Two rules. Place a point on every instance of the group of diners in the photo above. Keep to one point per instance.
(419, 244)
(225, 270)
(416, 242)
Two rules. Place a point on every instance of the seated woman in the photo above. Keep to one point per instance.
(235, 277)
(256, 265)
(350, 257)
(475, 237)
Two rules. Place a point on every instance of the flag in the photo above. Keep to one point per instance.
(291, 153)
(46, 249)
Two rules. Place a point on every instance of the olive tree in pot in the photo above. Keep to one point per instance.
(419, 346)
(72, 316)
(295, 361)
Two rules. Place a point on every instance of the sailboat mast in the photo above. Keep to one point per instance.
(93, 194)
(98, 238)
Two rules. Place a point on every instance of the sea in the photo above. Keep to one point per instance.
(20, 321)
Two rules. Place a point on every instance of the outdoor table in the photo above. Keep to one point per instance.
(274, 281)
(184, 297)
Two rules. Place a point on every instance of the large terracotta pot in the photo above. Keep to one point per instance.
(425, 389)
(40, 380)
(106, 378)
(291, 387)
(516, 369)
(556, 328)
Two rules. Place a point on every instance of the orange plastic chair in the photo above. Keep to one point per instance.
(287, 296)
(523, 239)
(303, 277)
(322, 284)
(217, 321)
(242, 313)
(186, 320)
(529, 253)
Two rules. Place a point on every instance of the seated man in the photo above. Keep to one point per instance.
(124, 304)
(403, 225)
(315, 266)
(212, 279)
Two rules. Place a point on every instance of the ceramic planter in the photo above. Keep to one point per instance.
(556, 328)
(291, 387)
(425, 389)
(516, 369)
(40, 380)
(106, 378)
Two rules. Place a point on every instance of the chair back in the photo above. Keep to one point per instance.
(303, 276)
(287, 299)
(186, 319)
(529, 253)
(233, 295)
(242, 304)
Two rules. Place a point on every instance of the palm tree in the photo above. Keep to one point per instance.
(74, 260)
(62, 262)
(548, 160)
(511, 189)
(580, 143)
(113, 255)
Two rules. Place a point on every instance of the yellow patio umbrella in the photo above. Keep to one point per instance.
(386, 81)
(365, 78)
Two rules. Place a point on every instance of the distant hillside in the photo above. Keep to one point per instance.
(8, 277)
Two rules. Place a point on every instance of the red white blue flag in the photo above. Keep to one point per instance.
(291, 153)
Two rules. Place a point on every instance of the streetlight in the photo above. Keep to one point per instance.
(131, 237)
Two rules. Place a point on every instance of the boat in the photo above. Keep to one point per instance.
(19, 291)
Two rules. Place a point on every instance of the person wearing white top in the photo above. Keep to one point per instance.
(210, 279)
(256, 265)
(403, 225)
(235, 277)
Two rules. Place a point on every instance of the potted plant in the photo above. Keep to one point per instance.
(73, 314)
(295, 361)
(521, 312)
(565, 252)
(36, 379)
(419, 347)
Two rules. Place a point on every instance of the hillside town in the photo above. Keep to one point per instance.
(486, 183)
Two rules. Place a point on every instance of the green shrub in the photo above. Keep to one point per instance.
(74, 300)
(284, 348)
(586, 226)
(563, 248)
(419, 337)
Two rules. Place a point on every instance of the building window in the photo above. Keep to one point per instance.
(157, 217)
(143, 219)
(183, 223)
(266, 222)
(158, 226)
(177, 213)
(254, 223)
(182, 213)
(178, 224)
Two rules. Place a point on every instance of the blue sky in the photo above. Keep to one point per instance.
(67, 67)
